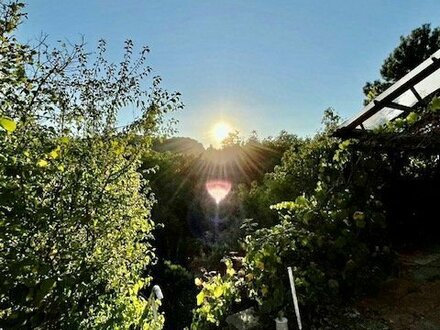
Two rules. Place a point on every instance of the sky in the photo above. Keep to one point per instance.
(256, 65)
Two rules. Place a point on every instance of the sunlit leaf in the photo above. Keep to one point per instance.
(230, 271)
(249, 277)
(64, 140)
(358, 215)
(8, 124)
(344, 144)
(55, 153)
(42, 163)
(200, 298)
(218, 291)
(412, 118)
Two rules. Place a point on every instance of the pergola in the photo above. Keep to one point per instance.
(409, 94)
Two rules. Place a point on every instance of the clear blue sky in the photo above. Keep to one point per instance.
(263, 65)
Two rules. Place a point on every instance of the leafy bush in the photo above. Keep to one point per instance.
(333, 239)
(218, 292)
(297, 174)
(75, 229)
(333, 236)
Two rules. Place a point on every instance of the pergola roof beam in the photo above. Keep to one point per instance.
(390, 97)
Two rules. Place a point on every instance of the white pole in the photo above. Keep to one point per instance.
(295, 299)
(281, 323)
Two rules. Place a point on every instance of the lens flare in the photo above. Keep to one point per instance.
(218, 189)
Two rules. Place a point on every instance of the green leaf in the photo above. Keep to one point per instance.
(412, 118)
(399, 123)
(358, 215)
(42, 163)
(435, 104)
(55, 153)
(8, 124)
(200, 298)
(64, 140)
(345, 144)
(218, 291)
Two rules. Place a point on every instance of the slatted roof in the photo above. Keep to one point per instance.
(402, 97)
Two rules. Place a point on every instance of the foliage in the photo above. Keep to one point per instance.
(173, 188)
(183, 207)
(403, 124)
(333, 235)
(215, 297)
(179, 290)
(75, 228)
(297, 173)
(76, 202)
(336, 237)
(233, 139)
(412, 50)
(333, 229)
(333, 238)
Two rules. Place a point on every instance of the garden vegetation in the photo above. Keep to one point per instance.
(93, 213)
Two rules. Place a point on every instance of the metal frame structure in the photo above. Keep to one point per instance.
(402, 97)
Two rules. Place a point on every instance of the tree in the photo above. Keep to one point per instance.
(411, 51)
(75, 225)
(233, 139)
(296, 173)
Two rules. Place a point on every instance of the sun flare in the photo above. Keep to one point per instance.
(220, 131)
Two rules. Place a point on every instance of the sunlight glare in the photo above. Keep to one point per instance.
(218, 189)
(221, 131)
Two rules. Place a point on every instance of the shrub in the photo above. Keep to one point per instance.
(333, 238)
(75, 232)
(218, 292)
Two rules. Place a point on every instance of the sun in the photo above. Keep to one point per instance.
(220, 131)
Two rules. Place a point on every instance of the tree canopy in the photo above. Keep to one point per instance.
(412, 50)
